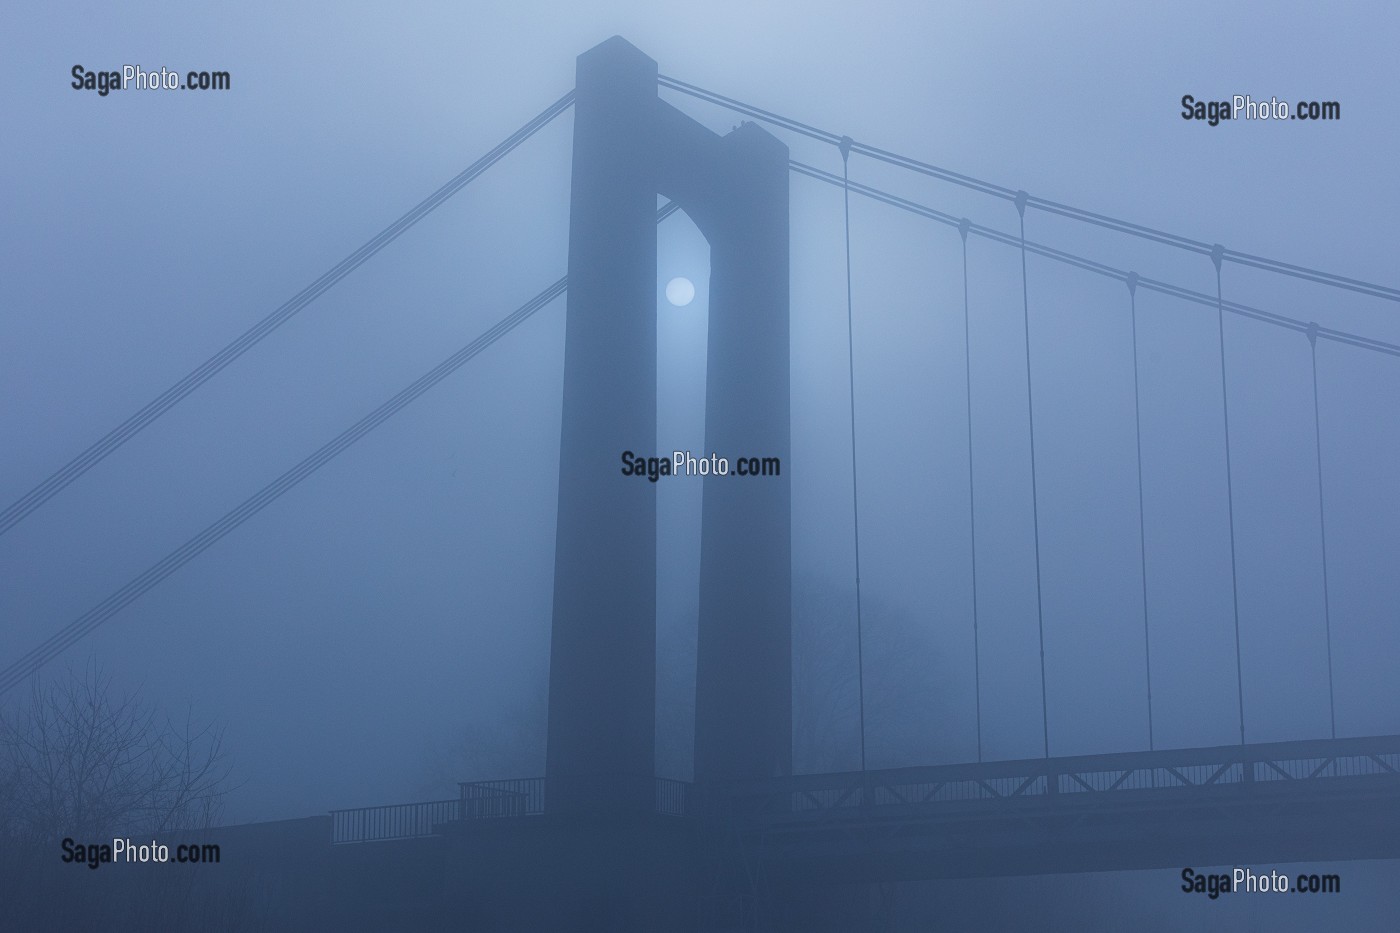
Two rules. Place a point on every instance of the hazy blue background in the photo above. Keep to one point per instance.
(383, 630)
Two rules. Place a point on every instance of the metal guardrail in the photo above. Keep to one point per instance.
(526, 797)
(395, 821)
(673, 797)
(1314, 762)
(479, 800)
(482, 800)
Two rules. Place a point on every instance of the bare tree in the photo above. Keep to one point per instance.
(81, 763)
(904, 698)
(81, 760)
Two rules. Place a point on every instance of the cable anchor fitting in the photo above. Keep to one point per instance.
(964, 225)
(1312, 333)
(1217, 255)
(1132, 282)
(1021, 199)
(845, 146)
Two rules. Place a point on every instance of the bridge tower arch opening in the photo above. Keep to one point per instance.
(630, 147)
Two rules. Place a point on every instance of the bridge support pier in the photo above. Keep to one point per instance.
(630, 147)
(602, 674)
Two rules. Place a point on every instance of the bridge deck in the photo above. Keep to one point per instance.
(1314, 800)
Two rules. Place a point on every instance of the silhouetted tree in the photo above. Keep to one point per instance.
(81, 761)
(903, 697)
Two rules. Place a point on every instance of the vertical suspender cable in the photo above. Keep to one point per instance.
(963, 228)
(1322, 529)
(1217, 253)
(1142, 513)
(1021, 198)
(855, 487)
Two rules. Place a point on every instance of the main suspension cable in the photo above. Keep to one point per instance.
(1098, 268)
(98, 451)
(982, 186)
(50, 648)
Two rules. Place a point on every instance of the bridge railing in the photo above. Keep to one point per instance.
(526, 797)
(395, 821)
(482, 800)
(855, 792)
(478, 800)
(675, 798)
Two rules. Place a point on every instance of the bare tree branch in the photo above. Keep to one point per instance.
(81, 760)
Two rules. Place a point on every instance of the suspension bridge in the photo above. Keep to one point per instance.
(1331, 796)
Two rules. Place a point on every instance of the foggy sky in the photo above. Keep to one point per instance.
(398, 602)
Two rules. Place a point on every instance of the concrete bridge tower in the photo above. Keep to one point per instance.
(629, 146)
